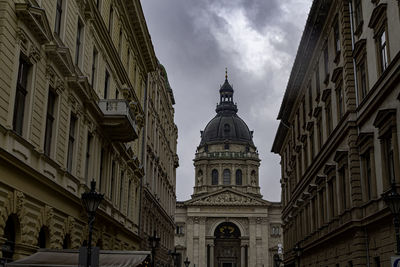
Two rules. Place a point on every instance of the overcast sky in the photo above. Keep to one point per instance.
(256, 40)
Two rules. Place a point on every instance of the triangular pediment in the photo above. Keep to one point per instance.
(226, 197)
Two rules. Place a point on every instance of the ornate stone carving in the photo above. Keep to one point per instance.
(227, 198)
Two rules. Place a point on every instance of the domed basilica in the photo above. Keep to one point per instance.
(226, 223)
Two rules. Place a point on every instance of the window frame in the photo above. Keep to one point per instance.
(50, 121)
(21, 94)
(73, 124)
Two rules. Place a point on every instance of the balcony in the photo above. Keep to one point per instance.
(119, 121)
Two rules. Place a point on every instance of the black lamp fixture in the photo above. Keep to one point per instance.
(154, 243)
(277, 260)
(174, 255)
(297, 249)
(392, 200)
(91, 201)
(186, 262)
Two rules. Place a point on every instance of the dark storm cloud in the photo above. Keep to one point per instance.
(255, 39)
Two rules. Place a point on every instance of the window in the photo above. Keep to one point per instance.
(94, 66)
(106, 85)
(238, 177)
(336, 36)
(367, 172)
(79, 35)
(377, 261)
(20, 95)
(121, 190)
(382, 50)
(214, 177)
(358, 14)
(110, 20)
(343, 187)
(112, 181)
(319, 129)
(120, 42)
(227, 177)
(304, 113)
(128, 59)
(312, 147)
(328, 114)
(317, 82)
(129, 197)
(326, 63)
(57, 27)
(101, 169)
(310, 102)
(87, 162)
(305, 153)
(362, 79)
(49, 122)
(340, 101)
(389, 158)
(332, 197)
(71, 142)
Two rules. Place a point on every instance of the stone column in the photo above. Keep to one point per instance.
(242, 255)
(189, 238)
(202, 243)
(211, 255)
(252, 251)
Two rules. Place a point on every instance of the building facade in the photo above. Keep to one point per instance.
(73, 81)
(226, 222)
(338, 137)
(159, 183)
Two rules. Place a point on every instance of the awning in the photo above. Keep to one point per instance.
(70, 258)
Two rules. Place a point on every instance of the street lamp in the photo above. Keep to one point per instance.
(91, 201)
(154, 242)
(186, 262)
(392, 200)
(277, 260)
(174, 256)
(297, 249)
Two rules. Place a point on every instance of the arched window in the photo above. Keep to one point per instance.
(10, 232)
(239, 177)
(67, 241)
(43, 237)
(214, 177)
(227, 177)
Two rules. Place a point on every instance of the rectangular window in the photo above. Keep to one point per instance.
(110, 20)
(130, 192)
(49, 122)
(332, 198)
(305, 149)
(310, 102)
(57, 26)
(377, 261)
(337, 37)
(358, 12)
(121, 190)
(362, 79)
(340, 102)
(79, 33)
(94, 65)
(112, 181)
(317, 81)
(106, 84)
(328, 113)
(342, 175)
(128, 60)
(312, 147)
(319, 129)
(20, 95)
(326, 61)
(383, 56)
(304, 113)
(101, 169)
(71, 142)
(87, 162)
(389, 158)
(366, 158)
(120, 42)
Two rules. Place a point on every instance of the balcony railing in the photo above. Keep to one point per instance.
(119, 121)
(227, 154)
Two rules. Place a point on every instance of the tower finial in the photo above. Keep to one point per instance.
(226, 73)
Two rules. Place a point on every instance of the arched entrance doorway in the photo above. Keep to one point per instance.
(227, 245)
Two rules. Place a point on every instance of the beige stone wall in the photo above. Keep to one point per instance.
(43, 184)
(159, 190)
(327, 193)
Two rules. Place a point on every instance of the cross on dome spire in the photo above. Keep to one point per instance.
(226, 74)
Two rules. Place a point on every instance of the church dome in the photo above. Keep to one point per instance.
(226, 125)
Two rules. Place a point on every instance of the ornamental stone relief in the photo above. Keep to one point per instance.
(227, 198)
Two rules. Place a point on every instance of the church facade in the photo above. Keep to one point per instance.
(227, 223)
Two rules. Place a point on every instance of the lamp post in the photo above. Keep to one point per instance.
(91, 201)
(154, 242)
(297, 249)
(392, 200)
(174, 256)
(186, 262)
